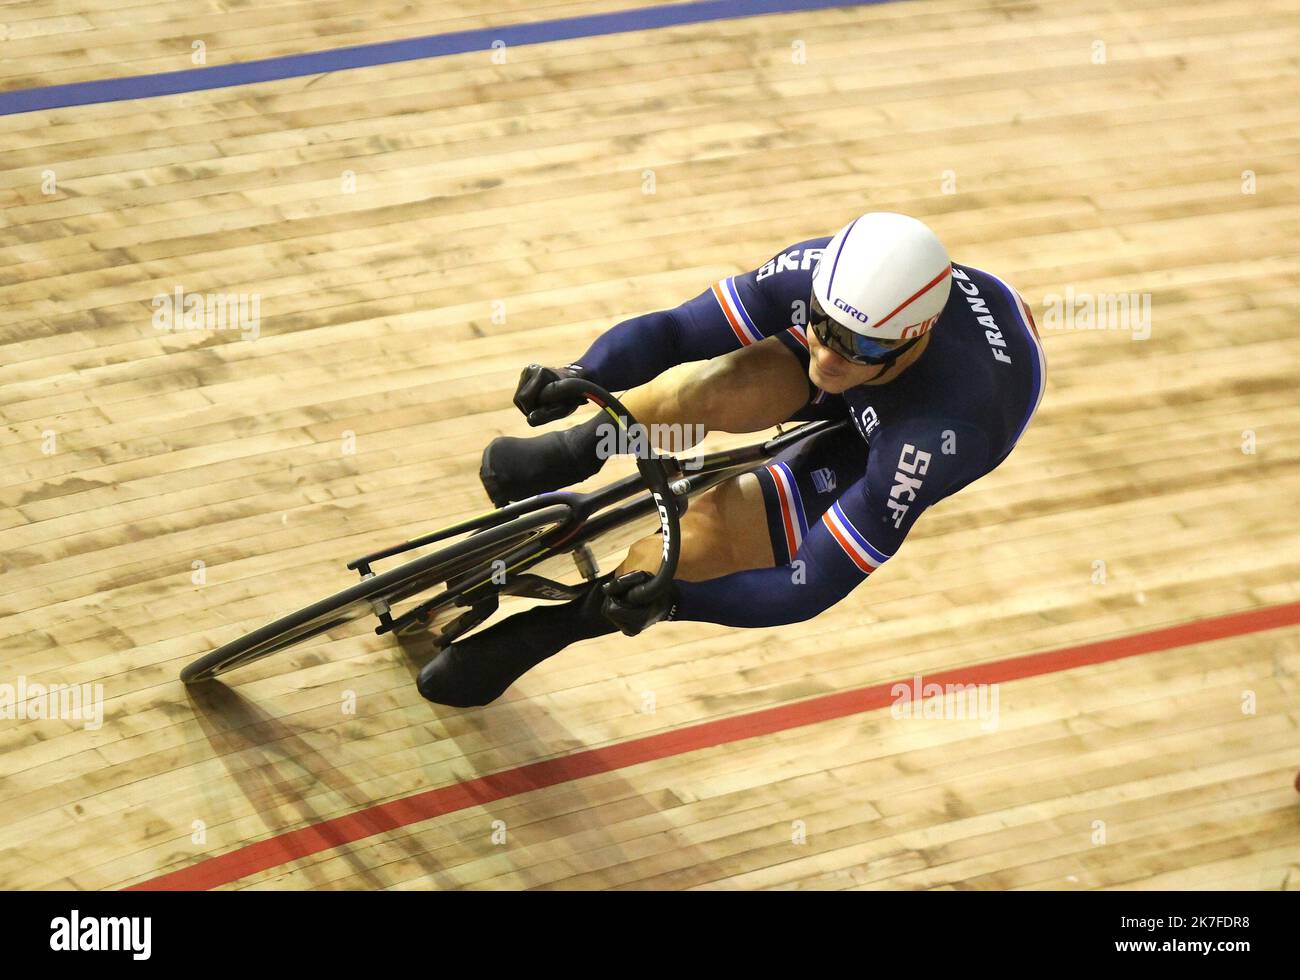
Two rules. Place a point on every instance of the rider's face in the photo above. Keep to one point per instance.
(834, 374)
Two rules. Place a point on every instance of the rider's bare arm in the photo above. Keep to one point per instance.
(747, 390)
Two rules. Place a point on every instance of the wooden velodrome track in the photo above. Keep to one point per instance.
(500, 215)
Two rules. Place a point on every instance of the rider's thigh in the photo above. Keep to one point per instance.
(723, 531)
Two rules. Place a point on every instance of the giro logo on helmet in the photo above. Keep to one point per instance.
(855, 313)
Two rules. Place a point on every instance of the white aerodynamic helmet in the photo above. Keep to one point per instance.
(883, 277)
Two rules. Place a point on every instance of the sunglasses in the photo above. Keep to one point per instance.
(851, 346)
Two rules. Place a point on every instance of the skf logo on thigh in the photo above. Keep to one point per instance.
(824, 479)
(912, 465)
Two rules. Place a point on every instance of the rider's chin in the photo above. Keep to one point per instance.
(831, 383)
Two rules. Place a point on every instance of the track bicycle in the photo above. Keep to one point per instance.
(506, 551)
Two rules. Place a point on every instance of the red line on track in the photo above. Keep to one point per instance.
(349, 828)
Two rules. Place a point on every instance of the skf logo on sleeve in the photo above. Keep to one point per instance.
(796, 258)
(913, 464)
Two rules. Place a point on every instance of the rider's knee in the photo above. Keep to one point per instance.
(724, 531)
(713, 527)
(643, 555)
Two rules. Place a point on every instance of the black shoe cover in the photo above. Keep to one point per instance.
(516, 469)
(477, 670)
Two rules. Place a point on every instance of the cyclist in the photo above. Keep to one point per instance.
(938, 365)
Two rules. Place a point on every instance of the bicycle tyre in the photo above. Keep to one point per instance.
(356, 601)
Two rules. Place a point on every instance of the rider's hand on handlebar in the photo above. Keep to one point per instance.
(532, 398)
(631, 617)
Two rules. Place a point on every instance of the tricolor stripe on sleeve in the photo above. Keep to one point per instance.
(742, 324)
(855, 545)
(793, 520)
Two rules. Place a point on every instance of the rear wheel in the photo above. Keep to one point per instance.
(367, 597)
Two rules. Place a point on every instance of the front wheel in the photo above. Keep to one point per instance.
(362, 598)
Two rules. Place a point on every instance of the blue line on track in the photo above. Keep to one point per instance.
(389, 52)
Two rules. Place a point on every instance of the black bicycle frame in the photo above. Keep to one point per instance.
(591, 514)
